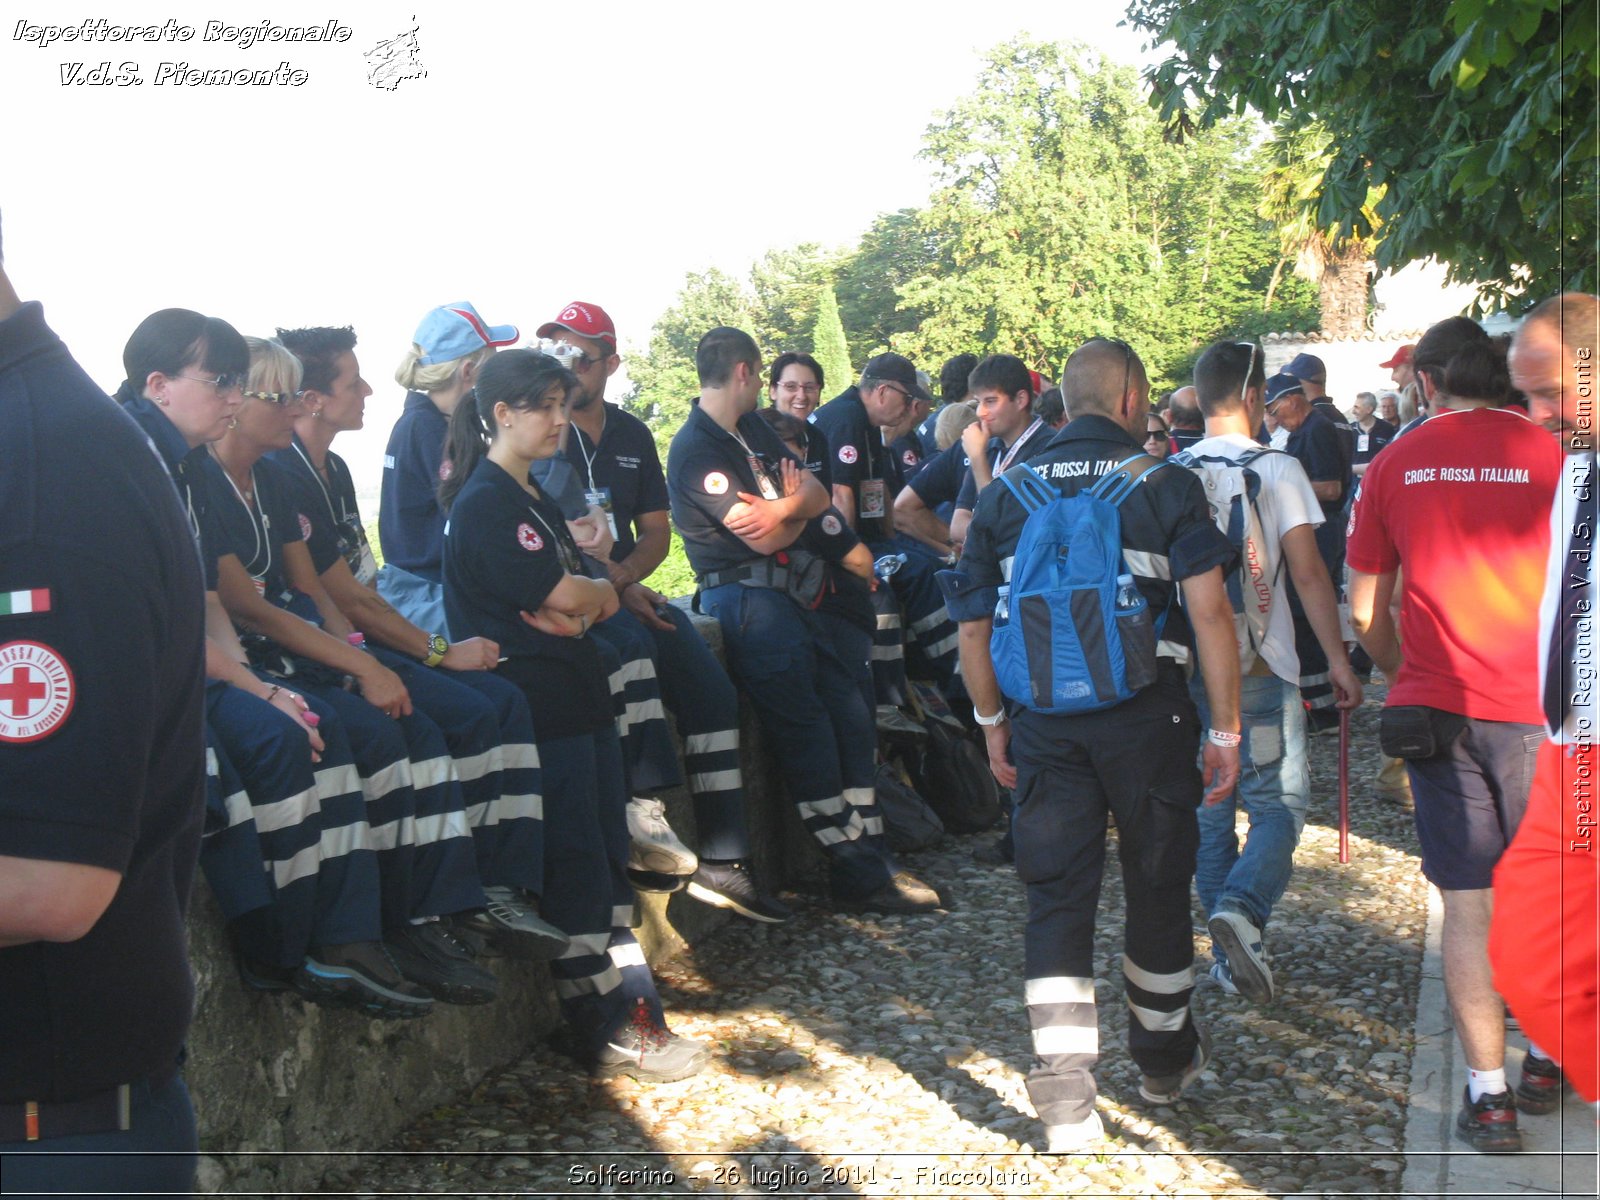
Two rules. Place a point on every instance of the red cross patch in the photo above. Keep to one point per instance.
(528, 537)
(36, 691)
(909, 458)
(305, 528)
(847, 454)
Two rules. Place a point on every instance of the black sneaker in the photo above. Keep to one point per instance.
(511, 916)
(1164, 1089)
(1540, 1087)
(905, 893)
(648, 1051)
(728, 885)
(432, 955)
(1489, 1125)
(996, 853)
(261, 976)
(1320, 721)
(361, 975)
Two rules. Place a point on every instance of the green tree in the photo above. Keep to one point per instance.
(896, 248)
(663, 377)
(784, 287)
(828, 343)
(1477, 119)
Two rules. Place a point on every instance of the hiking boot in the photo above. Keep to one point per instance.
(650, 1053)
(513, 915)
(1223, 978)
(1322, 720)
(1077, 1138)
(1241, 946)
(261, 976)
(1489, 1124)
(728, 885)
(996, 853)
(432, 955)
(653, 846)
(905, 893)
(363, 975)
(1164, 1089)
(1540, 1086)
(655, 881)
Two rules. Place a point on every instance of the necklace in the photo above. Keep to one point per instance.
(255, 526)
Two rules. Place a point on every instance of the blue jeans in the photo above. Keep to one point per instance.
(1274, 787)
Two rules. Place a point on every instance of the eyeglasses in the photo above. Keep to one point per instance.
(901, 392)
(791, 387)
(281, 399)
(223, 383)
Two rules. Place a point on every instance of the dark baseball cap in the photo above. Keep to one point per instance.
(896, 368)
(1307, 366)
(1280, 385)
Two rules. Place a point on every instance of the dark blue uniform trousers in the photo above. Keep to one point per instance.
(629, 653)
(155, 1156)
(485, 723)
(1137, 763)
(931, 634)
(814, 716)
(287, 851)
(426, 858)
(602, 978)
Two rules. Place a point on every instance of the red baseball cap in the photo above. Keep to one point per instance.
(584, 319)
(1402, 358)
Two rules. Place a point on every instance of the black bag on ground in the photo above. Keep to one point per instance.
(952, 775)
(908, 822)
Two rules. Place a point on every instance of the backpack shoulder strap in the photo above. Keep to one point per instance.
(1029, 487)
(1115, 485)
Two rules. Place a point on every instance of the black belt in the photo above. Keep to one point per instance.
(766, 572)
(104, 1112)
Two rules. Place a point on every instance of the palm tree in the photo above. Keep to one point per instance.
(1340, 265)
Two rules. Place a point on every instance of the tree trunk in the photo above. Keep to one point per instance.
(1343, 291)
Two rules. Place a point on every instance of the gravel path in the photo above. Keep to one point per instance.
(886, 1056)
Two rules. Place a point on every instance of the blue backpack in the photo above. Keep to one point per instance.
(1072, 633)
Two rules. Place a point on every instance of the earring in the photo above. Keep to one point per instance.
(161, 400)
(233, 422)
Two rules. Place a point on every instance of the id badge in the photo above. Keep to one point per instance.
(1361, 444)
(601, 498)
(367, 571)
(872, 498)
(764, 484)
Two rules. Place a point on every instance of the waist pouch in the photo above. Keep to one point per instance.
(1412, 731)
(800, 574)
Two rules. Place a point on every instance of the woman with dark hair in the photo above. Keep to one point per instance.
(1157, 438)
(308, 921)
(513, 574)
(414, 807)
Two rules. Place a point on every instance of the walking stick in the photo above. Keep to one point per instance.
(1344, 786)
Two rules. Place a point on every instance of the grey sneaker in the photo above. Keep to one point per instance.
(1164, 1089)
(432, 955)
(514, 916)
(653, 845)
(728, 885)
(650, 1053)
(362, 975)
(1241, 945)
(1077, 1138)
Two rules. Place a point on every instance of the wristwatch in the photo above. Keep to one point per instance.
(999, 718)
(437, 649)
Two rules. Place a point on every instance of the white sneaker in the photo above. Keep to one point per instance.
(1247, 963)
(654, 846)
(1224, 978)
(1074, 1139)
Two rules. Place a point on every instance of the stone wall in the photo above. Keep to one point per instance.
(279, 1084)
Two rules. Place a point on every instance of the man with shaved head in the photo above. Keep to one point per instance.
(1135, 761)
(1543, 940)
(1187, 423)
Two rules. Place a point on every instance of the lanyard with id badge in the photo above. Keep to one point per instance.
(758, 471)
(593, 496)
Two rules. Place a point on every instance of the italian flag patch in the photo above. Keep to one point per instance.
(31, 600)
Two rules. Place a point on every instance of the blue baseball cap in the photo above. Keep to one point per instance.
(1280, 385)
(1307, 366)
(454, 331)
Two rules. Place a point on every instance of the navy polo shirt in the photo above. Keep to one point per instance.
(927, 434)
(256, 535)
(626, 466)
(1370, 441)
(908, 457)
(505, 551)
(706, 470)
(857, 455)
(1325, 454)
(183, 464)
(939, 482)
(818, 460)
(328, 506)
(102, 754)
(1034, 442)
(410, 522)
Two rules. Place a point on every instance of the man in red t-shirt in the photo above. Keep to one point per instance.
(1471, 538)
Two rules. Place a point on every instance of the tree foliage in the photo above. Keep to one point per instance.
(1477, 119)
(828, 343)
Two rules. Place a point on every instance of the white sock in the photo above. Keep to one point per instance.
(1485, 1083)
(1535, 1052)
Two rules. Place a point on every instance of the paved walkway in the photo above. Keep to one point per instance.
(1560, 1150)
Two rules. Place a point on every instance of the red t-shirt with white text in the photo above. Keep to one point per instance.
(1461, 506)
